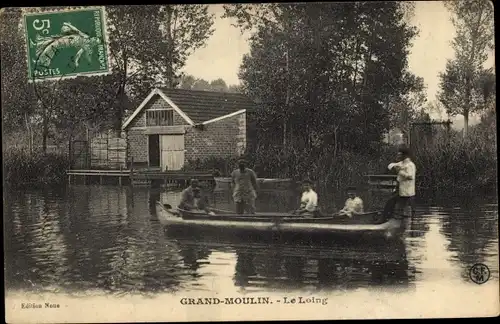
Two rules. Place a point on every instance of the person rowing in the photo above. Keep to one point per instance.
(308, 201)
(192, 199)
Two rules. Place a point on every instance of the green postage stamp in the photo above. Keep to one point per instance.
(66, 44)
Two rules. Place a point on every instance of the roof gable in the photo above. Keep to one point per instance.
(197, 106)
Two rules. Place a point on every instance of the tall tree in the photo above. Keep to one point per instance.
(185, 28)
(151, 43)
(320, 69)
(134, 40)
(460, 90)
(18, 100)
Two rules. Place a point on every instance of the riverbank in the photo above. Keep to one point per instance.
(24, 169)
(458, 167)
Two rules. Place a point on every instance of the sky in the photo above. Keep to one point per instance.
(223, 53)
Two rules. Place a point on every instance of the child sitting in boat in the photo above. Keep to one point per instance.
(353, 204)
(192, 198)
(308, 201)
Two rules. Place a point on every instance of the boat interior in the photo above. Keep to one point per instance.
(373, 217)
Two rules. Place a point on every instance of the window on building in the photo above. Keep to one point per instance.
(163, 117)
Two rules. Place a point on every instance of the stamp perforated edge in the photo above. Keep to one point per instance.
(40, 10)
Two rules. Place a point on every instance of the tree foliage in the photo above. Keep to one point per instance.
(319, 69)
(406, 108)
(17, 95)
(465, 84)
(191, 83)
(149, 45)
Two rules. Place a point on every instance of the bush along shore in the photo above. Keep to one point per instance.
(24, 169)
(454, 168)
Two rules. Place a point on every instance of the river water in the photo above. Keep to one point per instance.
(107, 240)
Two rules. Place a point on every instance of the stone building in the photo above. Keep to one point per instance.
(173, 126)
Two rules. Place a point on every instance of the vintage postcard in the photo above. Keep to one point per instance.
(238, 162)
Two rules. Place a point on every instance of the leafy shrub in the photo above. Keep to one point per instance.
(458, 166)
(37, 169)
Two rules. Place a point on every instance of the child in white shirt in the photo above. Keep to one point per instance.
(309, 200)
(353, 204)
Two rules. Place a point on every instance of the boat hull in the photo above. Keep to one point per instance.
(279, 225)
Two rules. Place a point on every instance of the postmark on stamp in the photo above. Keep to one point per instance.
(66, 44)
(479, 273)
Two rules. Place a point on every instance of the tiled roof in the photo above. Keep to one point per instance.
(201, 106)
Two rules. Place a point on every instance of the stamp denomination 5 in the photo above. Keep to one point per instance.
(66, 43)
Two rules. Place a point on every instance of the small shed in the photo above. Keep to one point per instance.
(173, 126)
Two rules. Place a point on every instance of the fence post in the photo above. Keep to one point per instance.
(131, 176)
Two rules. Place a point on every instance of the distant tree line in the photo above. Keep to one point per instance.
(192, 83)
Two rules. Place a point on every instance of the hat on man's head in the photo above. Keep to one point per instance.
(404, 150)
(351, 188)
(194, 183)
(307, 181)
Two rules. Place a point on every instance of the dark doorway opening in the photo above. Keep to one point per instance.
(154, 150)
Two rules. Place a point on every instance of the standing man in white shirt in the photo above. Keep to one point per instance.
(308, 201)
(405, 191)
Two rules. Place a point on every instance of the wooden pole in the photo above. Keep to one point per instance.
(131, 176)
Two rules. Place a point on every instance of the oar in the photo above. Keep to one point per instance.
(168, 206)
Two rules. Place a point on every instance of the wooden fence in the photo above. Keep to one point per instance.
(108, 151)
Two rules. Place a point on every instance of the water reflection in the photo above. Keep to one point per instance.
(105, 243)
(472, 235)
(278, 266)
(109, 239)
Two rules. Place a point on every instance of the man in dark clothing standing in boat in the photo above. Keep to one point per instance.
(244, 183)
(193, 199)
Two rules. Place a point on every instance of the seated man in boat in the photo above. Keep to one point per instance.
(244, 184)
(193, 199)
(308, 201)
(353, 204)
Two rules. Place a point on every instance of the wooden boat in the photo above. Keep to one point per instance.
(223, 183)
(367, 224)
